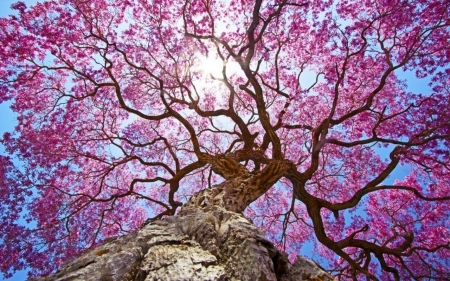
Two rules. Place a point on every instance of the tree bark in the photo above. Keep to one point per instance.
(209, 239)
(201, 244)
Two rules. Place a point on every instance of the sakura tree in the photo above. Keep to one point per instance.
(129, 107)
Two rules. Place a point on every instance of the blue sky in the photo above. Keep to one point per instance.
(8, 118)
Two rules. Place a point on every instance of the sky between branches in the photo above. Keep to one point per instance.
(8, 118)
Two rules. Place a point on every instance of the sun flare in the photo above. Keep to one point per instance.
(213, 66)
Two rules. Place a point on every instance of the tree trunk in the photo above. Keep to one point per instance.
(209, 239)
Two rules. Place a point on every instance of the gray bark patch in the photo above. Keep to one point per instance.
(208, 243)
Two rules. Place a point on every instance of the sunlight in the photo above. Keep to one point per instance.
(208, 78)
(213, 66)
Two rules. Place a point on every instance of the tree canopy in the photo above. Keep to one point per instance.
(129, 107)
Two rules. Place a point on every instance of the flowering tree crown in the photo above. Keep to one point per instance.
(128, 107)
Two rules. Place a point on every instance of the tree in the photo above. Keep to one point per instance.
(122, 118)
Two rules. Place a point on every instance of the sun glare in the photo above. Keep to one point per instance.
(208, 73)
(210, 66)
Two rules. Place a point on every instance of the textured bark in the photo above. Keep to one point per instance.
(209, 243)
(241, 186)
(209, 239)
